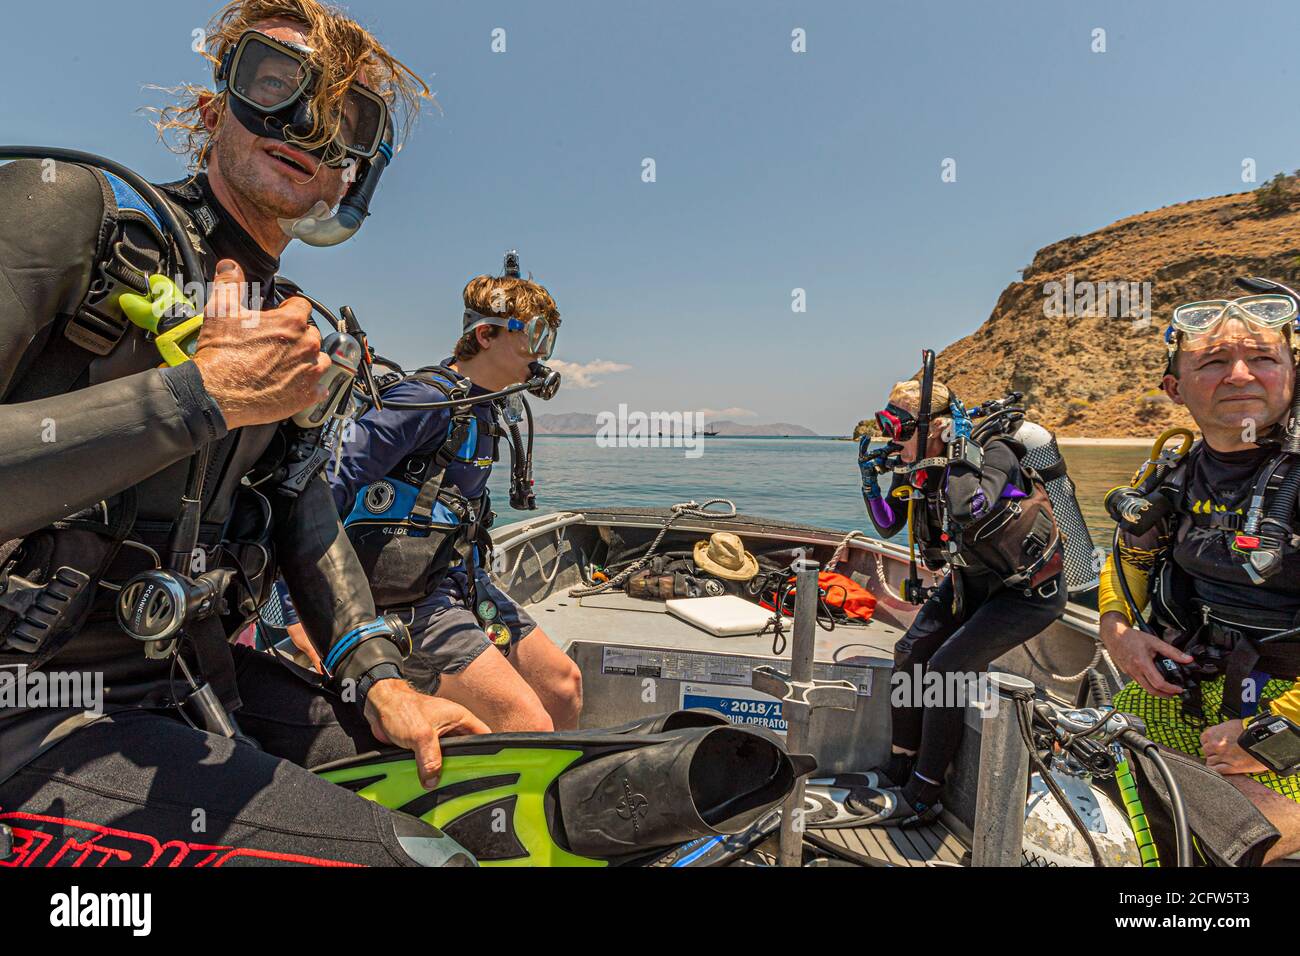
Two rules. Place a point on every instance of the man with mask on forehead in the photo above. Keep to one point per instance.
(290, 144)
(1207, 535)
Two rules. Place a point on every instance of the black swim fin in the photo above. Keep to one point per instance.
(677, 720)
(583, 798)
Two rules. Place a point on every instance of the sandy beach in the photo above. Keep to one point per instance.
(1064, 440)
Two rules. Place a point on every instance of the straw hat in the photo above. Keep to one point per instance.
(724, 556)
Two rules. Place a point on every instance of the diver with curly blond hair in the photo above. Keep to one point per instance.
(289, 142)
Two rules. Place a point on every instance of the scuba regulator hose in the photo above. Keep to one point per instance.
(1138, 620)
(1281, 510)
(544, 384)
(1025, 710)
(185, 535)
(1182, 829)
(1124, 733)
(1124, 779)
(522, 497)
(1145, 481)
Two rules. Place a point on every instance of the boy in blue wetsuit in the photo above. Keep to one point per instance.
(472, 643)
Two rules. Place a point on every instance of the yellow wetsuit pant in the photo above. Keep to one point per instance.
(1168, 725)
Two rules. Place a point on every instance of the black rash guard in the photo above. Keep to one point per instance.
(135, 425)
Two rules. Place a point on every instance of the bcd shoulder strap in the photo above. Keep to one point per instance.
(131, 247)
(462, 417)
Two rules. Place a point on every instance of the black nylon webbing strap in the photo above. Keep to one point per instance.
(1052, 472)
(461, 417)
(1242, 662)
(41, 633)
(215, 659)
(96, 325)
(422, 510)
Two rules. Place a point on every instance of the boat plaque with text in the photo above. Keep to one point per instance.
(732, 669)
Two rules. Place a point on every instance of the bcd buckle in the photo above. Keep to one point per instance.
(95, 331)
(45, 608)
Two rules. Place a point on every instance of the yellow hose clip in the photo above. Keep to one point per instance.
(178, 341)
(1161, 458)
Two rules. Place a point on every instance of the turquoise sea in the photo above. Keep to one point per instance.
(807, 480)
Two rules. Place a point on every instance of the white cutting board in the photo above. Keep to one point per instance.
(726, 616)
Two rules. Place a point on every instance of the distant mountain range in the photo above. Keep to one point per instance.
(580, 423)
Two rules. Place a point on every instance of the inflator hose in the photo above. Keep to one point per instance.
(1138, 620)
(1100, 689)
(1182, 830)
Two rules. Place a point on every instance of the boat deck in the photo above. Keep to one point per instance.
(932, 845)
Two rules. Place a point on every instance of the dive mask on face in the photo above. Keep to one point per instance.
(896, 424)
(271, 84)
(541, 333)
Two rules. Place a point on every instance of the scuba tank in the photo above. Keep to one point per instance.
(1043, 455)
(1052, 839)
(1006, 416)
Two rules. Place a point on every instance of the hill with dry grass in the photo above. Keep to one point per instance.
(1096, 372)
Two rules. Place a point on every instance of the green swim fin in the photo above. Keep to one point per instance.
(585, 798)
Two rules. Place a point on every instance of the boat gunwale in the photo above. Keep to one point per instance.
(1076, 616)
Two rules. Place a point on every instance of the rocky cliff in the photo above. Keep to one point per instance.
(1081, 335)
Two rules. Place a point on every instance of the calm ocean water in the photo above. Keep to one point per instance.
(808, 480)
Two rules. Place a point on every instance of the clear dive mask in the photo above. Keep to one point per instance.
(541, 333)
(1195, 321)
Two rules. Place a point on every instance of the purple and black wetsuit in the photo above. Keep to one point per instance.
(994, 619)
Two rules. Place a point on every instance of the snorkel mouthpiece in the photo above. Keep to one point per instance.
(318, 228)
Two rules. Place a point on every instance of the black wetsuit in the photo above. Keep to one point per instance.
(993, 618)
(137, 770)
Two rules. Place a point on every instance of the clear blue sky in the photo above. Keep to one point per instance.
(775, 170)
